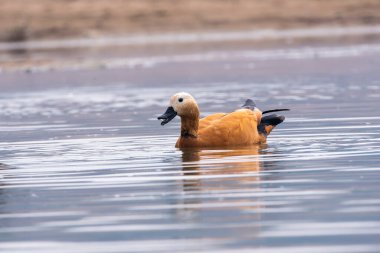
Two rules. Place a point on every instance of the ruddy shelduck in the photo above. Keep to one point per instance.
(243, 127)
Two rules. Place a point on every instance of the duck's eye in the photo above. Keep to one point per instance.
(180, 100)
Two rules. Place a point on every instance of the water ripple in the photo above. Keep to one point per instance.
(90, 170)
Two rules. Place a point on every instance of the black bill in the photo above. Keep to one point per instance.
(167, 116)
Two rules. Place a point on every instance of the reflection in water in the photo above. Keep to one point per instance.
(204, 193)
(230, 161)
(2, 198)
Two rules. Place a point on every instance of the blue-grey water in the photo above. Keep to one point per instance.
(86, 167)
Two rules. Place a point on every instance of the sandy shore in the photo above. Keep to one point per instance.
(45, 19)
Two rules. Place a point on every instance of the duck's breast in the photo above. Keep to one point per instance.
(203, 124)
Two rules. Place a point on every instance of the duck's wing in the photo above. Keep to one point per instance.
(235, 128)
(275, 110)
(208, 120)
(249, 104)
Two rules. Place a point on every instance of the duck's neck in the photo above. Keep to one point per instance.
(190, 124)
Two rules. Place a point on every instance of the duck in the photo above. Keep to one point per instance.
(245, 126)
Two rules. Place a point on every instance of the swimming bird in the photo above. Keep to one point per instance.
(242, 127)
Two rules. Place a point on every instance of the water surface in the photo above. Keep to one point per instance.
(86, 167)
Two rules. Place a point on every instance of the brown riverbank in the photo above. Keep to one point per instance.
(45, 19)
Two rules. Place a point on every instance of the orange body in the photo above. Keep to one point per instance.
(238, 128)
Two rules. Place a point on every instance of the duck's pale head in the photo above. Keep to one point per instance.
(181, 104)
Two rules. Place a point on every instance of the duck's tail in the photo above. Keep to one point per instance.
(268, 123)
